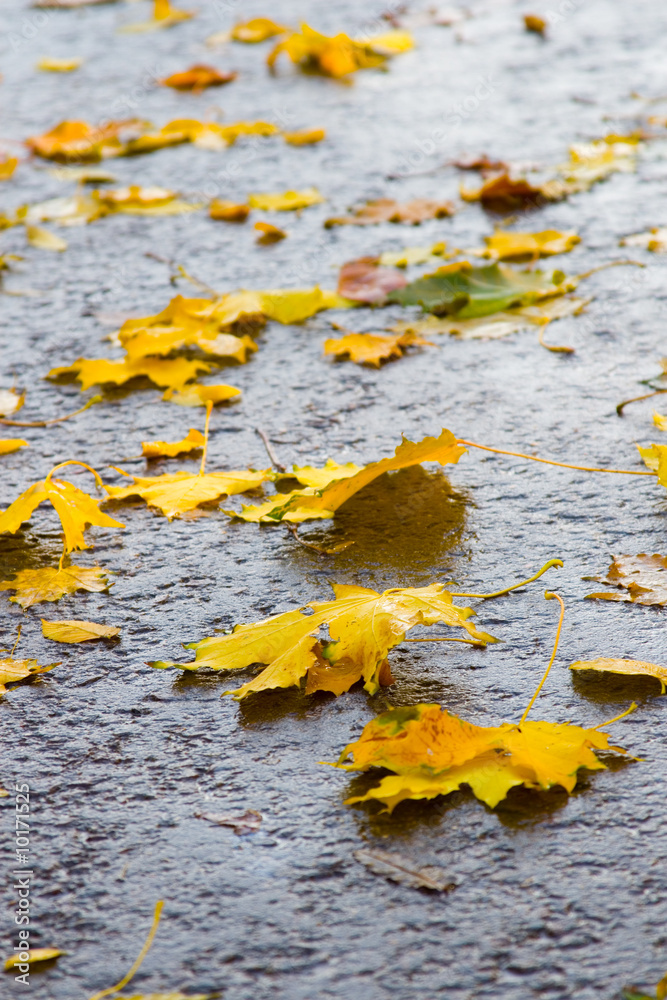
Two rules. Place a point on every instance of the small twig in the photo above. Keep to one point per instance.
(636, 399)
(270, 452)
(294, 531)
(179, 270)
(56, 420)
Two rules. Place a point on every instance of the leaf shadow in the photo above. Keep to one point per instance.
(603, 689)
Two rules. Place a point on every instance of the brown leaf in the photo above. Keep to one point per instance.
(400, 869)
(481, 163)
(388, 210)
(507, 194)
(269, 233)
(642, 577)
(363, 281)
(534, 23)
(248, 822)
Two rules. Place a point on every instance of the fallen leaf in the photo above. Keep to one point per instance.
(77, 631)
(164, 16)
(163, 449)
(497, 325)
(467, 291)
(247, 822)
(257, 29)
(633, 667)
(339, 55)
(372, 348)
(49, 65)
(643, 580)
(200, 395)
(654, 240)
(10, 401)
(197, 78)
(660, 421)
(136, 200)
(481, 163)
(315, 503)
(172, 373)
(270, 234)
(9, 445)
(34, 955)
(400, 869)
(520, 246)
(34, 586)
(70, 210)
(176, 493)
(655, 459)
(77, 140)
(44, 240)
(363, 626)
(288, 201)
(81, 175)
(535, 24)
(504, 193)
(8, 165)
(193, 323)
(388, 210)
(412, 255)
(591, 162)
(228, 211)
(305, 137)
(433, 753)
(363, 281)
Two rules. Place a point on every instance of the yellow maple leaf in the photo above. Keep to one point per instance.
(35, 955)
(53, 65)
(372, 348)
(9, 445)
(288, 201)
(34, 586)
(339, 55)
(655, 459)
(520, 246)
(310, 503)
(363, 626)
(77, 631)
(75, 508)
(257, 29)
(163, 449)
(632, 667)
(432, 752)
(172, 373)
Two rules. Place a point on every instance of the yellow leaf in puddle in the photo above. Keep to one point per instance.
(631, 667)
(288, 201)
(77, 631)
(45, 240)
(9, 445)
(34, 586)
(200, 395)
(35, 955)
(176, 493)
(163, 449)
(51, 65)
(172, 373)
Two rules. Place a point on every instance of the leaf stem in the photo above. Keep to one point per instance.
(555, 348)
(515, 586)
(548, 461)
(18, 639)
(549, 595)
(605, 267)
(269, 450)
(637, 399)
(209, 407)
(617, 717)
(140, 957)
(73, 461)
(55, 420)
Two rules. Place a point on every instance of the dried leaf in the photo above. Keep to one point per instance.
(535, 24)
(305, 137)
(372, 348)
(363, 281)
(8, 165)
(34, 955)
(12, 671)
(413, 255)
(467, 291)
(633, 667)
(45, 240)
(198, 78)
(315, 503)
(257, 29)
(77, 140)
(521, 246)
(288, 201)
(248, 822)
(200, 395)
(163, 449)
(433, 753)
(34, 586)
(176, 493)
(9, 445)
(339, 55)
(50, 65)
(228, 211)
(10, 401)
(170, 373)
(654, 240)
(270, 234)
(400, 869)
(363, 626)
(643, 579)
(388, 210)
(504, 193)
(75, 509)
(77, 631)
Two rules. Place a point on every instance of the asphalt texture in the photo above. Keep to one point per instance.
(556, 897)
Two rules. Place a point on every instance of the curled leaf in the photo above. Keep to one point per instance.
(9, 445)
(269, 233)
(257, 29)
(305, 137)
(10, 401)
(164, 449)
(77, 631)
(632, 667)
(12, 671)
(339, 55)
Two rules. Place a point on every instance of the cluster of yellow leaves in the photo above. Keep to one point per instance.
(431, 753)
(77, 631)
(363, 626)
(339, 55)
